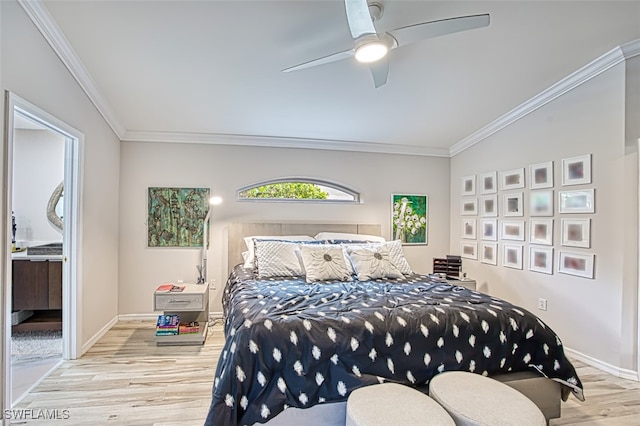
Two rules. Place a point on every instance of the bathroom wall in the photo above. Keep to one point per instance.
(37, 170)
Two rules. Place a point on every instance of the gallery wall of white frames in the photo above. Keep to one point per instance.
(525, 216)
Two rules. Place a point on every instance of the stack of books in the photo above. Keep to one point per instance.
(167, 325)
(189, 328)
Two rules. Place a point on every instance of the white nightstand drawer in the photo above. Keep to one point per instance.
(179, 302)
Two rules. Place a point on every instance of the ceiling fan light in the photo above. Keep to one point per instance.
(371, 52)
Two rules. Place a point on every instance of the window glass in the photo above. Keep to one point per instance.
(298, 189)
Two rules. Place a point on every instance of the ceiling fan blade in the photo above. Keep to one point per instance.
(324, 60)
(380, 71)
(359, 19)
(417, 32)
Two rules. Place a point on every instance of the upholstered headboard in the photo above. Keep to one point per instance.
(237, 231)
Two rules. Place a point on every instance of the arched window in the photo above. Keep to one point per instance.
(298, 189)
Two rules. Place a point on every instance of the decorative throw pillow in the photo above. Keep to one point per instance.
(396, 256)
(276, 259)
(324, 263)
(371, 262)
(249, 259)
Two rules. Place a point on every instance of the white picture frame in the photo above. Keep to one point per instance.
(578, 201)
(469, 250)
(512, 256)
(576, 233)
(489, 229)
(469, 206)
(576, 170)
(512, 204)
(541, 175)
(541, 259)
(541, 203)
(469, 228)
(512, 179)
(488, 183)
(489, 253)
(578, 264)
(489, 205)
(468, 185)
(541, 231)
(512, 230)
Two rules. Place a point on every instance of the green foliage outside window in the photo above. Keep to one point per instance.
(287, 190)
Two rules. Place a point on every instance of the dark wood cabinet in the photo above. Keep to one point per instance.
(37, 287)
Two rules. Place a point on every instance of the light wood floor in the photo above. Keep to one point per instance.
(126, 379)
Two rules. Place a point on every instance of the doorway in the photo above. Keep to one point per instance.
(61, 309)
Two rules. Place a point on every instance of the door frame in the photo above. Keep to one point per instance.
(71, 235)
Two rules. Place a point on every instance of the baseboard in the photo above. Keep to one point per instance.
(623, 373)
(92, 341)
(138, 317)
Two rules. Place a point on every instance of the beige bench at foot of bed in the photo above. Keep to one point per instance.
(545, 393)
(391, 404)
(475, 400)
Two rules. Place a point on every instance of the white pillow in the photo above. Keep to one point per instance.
(324, 262)
(346, 236)
(371, 262)
(249, 259)
(277, 259)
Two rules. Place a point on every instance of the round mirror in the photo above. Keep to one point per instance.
(55, 207)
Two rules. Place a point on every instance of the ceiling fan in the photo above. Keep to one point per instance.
(372, 47)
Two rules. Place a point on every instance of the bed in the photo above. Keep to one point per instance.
(296, 349)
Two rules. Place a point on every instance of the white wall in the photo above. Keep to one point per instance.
(31, 70)
(594, 317)
(38, 168)
(225, 169)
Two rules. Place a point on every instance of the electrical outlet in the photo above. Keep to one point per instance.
(542, 304)
(212, 285)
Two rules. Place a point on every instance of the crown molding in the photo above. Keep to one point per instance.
(282, 142)
(42, 19)
(581, 76)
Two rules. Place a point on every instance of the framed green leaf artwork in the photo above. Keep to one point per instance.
(409, 214)
(176, 216)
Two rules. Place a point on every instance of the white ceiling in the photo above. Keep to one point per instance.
(206, 69)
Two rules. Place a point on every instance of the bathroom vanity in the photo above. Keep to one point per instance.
(37, 288)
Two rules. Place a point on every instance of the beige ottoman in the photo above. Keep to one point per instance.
(390, 404)
(473, 399)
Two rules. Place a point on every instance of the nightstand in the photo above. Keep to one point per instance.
(190, 304)
(470, 284)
